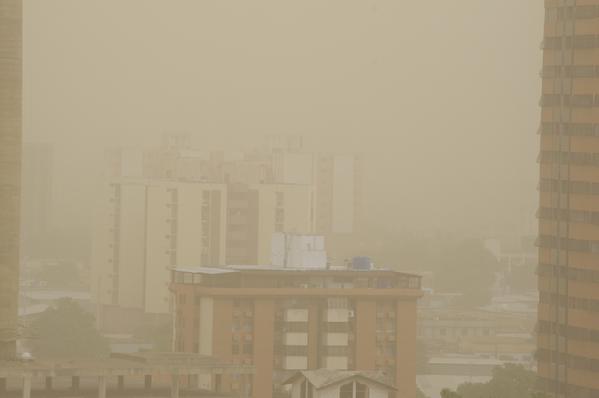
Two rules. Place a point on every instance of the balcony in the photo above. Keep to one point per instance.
(296, 339)
(295, 362)
(336, 339)
(296, 315)
(336, 315)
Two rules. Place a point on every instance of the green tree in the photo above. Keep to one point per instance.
(447, 393)
(513, 381)
(66, 330)
(159, 334)
(467, 267)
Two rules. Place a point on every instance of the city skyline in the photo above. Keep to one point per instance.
(299, 200)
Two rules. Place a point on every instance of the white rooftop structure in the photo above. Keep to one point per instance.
(298, 251)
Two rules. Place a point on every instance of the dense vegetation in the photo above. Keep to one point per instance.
(68, 331)
(509, 381)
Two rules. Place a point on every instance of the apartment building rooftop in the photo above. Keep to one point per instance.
(250, 276)
(270, 268)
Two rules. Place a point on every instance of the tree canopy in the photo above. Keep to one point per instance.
(66, 330)
(509, 381)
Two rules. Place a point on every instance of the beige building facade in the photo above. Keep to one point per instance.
(568, 313)
(10, 169)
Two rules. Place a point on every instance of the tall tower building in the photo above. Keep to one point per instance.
(568, 317)
(10, 170)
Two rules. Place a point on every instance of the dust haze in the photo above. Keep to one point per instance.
(277, 199)
(440, 97)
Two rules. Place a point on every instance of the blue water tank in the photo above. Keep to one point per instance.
(361, 263)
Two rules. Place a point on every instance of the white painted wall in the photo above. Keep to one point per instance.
(157, 246)
(343, 194)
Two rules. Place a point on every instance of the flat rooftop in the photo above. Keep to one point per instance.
(274, 269)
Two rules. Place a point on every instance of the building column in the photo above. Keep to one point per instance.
(27, 387)
(405, 358)
(101, 386)
(75, 383)
(264, 336)
(49, 382)
(148, 382)
(174, 386)
(365, 335)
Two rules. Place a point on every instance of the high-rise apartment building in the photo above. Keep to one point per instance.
(255, 212)
(10, 170)
(275, 189)
(568, 317)
(281, 320)
(148, 227)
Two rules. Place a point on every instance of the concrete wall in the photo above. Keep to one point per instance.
(10, 170)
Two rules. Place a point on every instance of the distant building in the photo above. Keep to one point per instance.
(36, 175)
(149, 226)
(298, 251)
(281, 320)
(568, 316)
(256, 212)
(325, 383)
(175, 206)
(501, 335)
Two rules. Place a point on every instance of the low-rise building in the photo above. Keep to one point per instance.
(282, 320)
(326, 383)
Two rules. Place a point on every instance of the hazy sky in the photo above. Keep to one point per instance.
(441, 96)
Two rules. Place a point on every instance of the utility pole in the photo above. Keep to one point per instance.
(10, 170)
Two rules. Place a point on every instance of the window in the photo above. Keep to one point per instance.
(347, 390)
(306, 390)
(361, 390)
